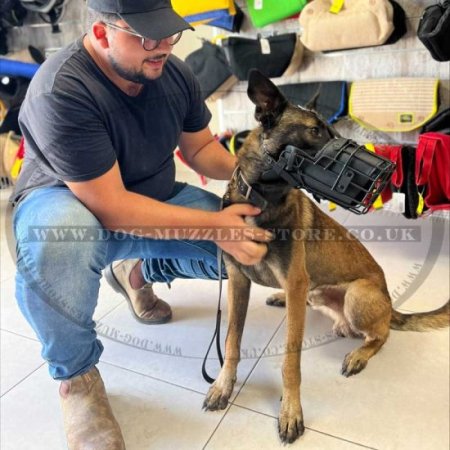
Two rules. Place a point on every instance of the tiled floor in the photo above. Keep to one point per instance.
(400, 401)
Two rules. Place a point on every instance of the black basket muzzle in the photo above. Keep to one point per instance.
(342, 171)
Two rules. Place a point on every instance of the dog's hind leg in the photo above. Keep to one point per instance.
(238, 297)
(329, 300)
(277, 299)
(368, 310)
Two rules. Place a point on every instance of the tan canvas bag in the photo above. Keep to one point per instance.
(335, 25)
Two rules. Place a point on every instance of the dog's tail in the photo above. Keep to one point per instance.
(439, 318)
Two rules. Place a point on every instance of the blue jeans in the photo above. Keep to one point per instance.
(61, 251)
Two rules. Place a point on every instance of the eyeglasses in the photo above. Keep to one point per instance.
(147, 43)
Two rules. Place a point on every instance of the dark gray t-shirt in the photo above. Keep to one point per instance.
(77, 123)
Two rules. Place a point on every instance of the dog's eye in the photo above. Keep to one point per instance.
(314, 131)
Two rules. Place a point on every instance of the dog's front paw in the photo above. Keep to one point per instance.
(290, 424)
(353, 363)
(218, 395)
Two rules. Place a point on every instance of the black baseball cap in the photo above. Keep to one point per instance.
(154, 19)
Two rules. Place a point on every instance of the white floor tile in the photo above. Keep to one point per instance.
(7, 267)
(11, 317)
(7, 244)
(19, 357)
(175, 351)
(242, 429)
(157, 415)
(31, 418)
(7, 260)
(399, 401)
(151, 414)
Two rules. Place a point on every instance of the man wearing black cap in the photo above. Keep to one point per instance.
(101, 120)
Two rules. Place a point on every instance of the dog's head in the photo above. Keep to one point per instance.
(281, 124)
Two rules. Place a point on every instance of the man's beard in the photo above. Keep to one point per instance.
(135, 76)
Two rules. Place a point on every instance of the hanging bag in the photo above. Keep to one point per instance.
(191, 8)
(399, 20)
(12, 14)
(212, 70)
(331, 25)
(440, 122)
(393, 104)
(274, 56)
(434, 30)
(332, 100)
(231, 23)
(204, 11)
(433, 169)
(265, 12)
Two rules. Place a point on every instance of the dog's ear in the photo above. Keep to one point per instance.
(269, 101)
(312, 103)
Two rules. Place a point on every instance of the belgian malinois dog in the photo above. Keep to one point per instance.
(338, 277)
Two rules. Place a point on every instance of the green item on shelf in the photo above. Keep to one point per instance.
(265, 12)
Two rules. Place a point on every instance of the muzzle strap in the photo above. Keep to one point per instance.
(280, 169)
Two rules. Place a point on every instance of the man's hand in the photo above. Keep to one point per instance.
(245, 243)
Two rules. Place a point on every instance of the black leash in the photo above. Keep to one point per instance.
(216, 336)
(258, 200)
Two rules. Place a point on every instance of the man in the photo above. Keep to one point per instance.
(101, 120)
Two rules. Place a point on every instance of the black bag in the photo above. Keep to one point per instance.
(399, 23)
(332, 100)
(439, 123)
(211, 67)
(434, 30)
(12, 14)
(271, 56)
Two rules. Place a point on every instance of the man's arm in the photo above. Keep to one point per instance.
(120, 210)
(206, 155)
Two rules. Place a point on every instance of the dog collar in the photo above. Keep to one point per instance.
(249, 192)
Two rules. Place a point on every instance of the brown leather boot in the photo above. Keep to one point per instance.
(88, 419)
(144, 304)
